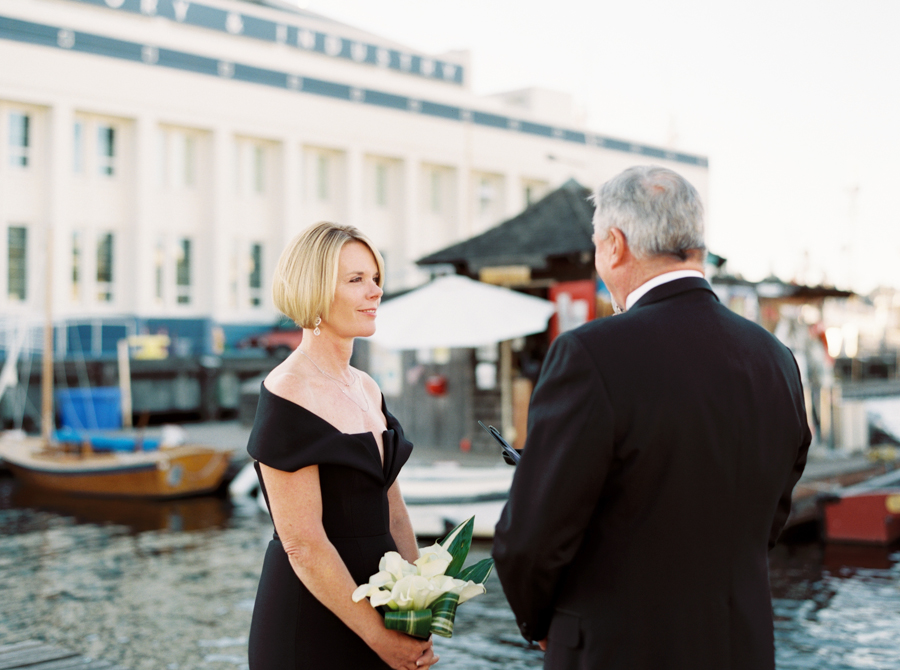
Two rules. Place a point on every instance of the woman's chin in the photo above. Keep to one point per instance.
(366, 331)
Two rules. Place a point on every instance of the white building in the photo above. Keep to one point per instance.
(173, 147)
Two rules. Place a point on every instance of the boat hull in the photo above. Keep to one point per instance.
(866, 518)
(440, 496)
(167, 473)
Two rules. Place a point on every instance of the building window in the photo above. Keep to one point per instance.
(76, 266)
(254, 279)
(19, 139)
(105, 267)
(485, 195)
(533, 191)
(178, 158)
(436, 191)
(183, 272)
(259, 169)
(78, 147)
(381, 186)
(106, 150)
(322, 170)
(17, 263)
(159, 276)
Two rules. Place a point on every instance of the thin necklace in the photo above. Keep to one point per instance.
(341, 383)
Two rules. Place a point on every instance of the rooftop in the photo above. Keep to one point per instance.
(560, 224)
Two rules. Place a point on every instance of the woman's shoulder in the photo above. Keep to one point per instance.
(289, 382)
(294, 429)
(294, 387)
(286, 428)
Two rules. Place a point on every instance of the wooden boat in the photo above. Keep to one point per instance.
(101, 465)
(90, 467)
(866, 513)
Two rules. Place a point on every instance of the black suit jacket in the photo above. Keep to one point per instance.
(663, 446)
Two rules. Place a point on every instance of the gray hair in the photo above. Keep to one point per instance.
(656, 209)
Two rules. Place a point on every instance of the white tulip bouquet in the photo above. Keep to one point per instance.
(420, 599)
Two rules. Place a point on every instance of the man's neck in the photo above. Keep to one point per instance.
(637, 294)
(645, 269)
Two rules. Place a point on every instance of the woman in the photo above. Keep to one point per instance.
(328, 453)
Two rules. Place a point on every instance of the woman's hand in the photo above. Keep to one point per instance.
(403, 652)
(427, 659)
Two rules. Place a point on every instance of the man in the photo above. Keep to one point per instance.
(663, 446)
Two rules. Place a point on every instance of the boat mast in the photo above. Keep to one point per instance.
(47, 357)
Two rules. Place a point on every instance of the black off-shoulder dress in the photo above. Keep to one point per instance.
(291, 629)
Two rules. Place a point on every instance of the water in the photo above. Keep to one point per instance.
(836, 607)
(170, 586)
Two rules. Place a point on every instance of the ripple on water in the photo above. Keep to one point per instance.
(852, 620)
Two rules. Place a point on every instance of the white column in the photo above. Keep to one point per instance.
(291, 184)
(139, 285)
(355, 192)
(464, 223)
(58, 198)
(290, 220)
(410, 242)
(221, 225)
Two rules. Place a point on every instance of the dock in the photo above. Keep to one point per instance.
(35, 655)
(825, 471)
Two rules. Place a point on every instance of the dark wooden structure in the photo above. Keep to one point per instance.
(169, 390)
(552, 238)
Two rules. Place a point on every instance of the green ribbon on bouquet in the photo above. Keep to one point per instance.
(438, 620)
(412, 622)
(443, 611)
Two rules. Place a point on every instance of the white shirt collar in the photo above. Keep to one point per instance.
(658, 280)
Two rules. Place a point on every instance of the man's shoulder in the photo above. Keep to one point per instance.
(617, 325)
(749, 329)
(631, 326)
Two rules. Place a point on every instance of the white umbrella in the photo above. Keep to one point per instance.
(456, 311)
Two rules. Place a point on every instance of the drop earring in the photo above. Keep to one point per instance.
(317, 332)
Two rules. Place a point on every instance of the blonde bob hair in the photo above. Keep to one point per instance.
(307, 272)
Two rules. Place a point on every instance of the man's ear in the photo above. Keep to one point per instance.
(618, 251)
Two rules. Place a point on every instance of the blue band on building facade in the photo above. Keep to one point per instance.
(235, 23)
(61, 38)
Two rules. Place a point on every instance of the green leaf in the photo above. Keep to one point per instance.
(443, 612)
(453, 533)
(412, 622)
(479, 572)
(457, 543)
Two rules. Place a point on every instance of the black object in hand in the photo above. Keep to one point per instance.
(510, 455)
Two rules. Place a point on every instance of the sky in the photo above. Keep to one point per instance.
(795, 102)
